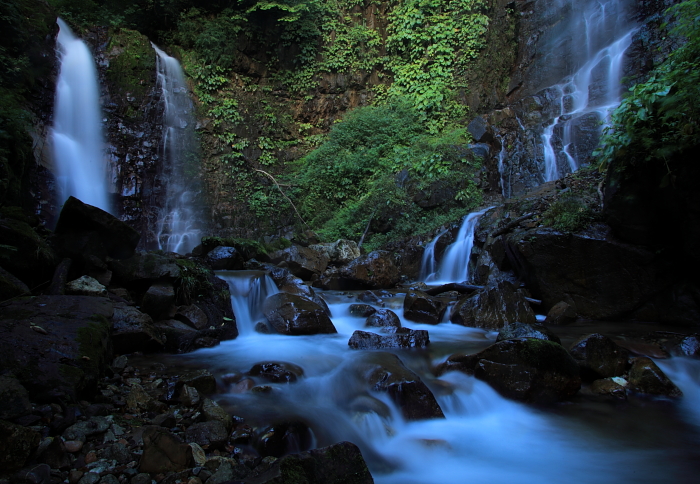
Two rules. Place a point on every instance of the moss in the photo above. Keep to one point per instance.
(132, 67)
(192, 282)
(568, 214)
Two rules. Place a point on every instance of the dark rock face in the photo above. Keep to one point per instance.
(522, 330)
(383, 318)
(56, 346)
(561, 313)
(384, 372)
(599, 357)
(493, 308)
(646, 377)
(402, 338)
(163, 451)
(225, 258)
(423, 308)
(526, 369)
(340, 463)
(295, 315)
(277, 372)
(375, 270)
(134, 330)
(303, 262)
(145, 266)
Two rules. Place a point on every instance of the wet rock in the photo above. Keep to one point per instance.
(599, 357)
(134, 330)
(493, 308)
(73, 446)
(384, 372)
(383, 318)
(179, 337)
(303, 262)
(193, 316)
(370, 297)
(11, 286)
(403, 338)
(225, 259)
(198, 454)
(39, 474)
(120, 362)
(89, 478)
(423, 308)
(16, 445)
(340, 463)
(202, 380)
(158, 299)
(361, 310)
(212, 434)
(188, 396)
(87, 428)
(522, 330)
(85, 286)
(375, 270)
(14, 398)
(277, 372)
(212, 411)
(615, 387)
(339, 252)
(145, 267)
(285, 438)
(295, 315)
(689, 346)
(163, 452)
(561, 313)
(223, 474)
(646, 377)
(526, 369)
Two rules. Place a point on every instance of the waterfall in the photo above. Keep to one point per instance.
(454, 266)
(427, 265)
(178, 227)
(76, 136)
(595, 40)
(249, 289)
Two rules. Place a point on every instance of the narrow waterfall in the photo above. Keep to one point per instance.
(427, 265)
(76, 136)
(454, 266)
(249, 289)
(179, 229)
(595, 38)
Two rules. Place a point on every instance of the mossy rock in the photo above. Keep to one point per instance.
(132, 67)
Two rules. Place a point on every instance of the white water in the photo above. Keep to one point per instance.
(454, 266)
(178, 228)
(76, 136)
(249, 289)
(601, 36)
(484, 437)
(428, 263)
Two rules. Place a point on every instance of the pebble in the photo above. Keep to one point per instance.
(73, 446)
(91, 457)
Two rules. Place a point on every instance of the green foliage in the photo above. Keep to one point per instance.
(192, 282)
(660, 116)
(131, 71)
(568, 214)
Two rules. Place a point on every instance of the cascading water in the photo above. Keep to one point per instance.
(249, 289)
(76, 137)
(178, 227)
(454, 266)
(596, 38)
(427, 266)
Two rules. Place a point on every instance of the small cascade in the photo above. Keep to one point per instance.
(427, 265)
(454, 266)
(76, 136)
(178, 227)
(249, 289)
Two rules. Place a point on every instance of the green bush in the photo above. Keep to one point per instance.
(568, 214)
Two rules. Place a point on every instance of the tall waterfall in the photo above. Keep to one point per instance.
(594, 36)
(178, 229)
(76, 137)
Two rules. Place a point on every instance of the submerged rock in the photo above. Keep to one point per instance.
(402, 338)
(383, 318)
(296, 315)
(277, 372)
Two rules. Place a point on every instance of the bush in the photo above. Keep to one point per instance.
(568, 214)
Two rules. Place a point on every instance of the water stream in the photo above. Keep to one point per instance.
(76, 136)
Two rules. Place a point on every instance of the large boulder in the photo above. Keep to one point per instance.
(375, 270)
(11, 286)
(158, 299)
(422, 308)
(296, 315)
(646, 377)
(134, 331)
(493, 307)
(527, 369)
(599, 357)
(402, 338)
(382, 318)
(83, 229)
(57, 346)
(339, 252)
(146, 267)
(225, 258)
(303, 262)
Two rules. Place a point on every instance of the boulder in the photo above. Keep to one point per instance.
(212, 434)
(148, 267)
(493, 308)
(361, 310)
(599, 357)
(193, 316)
(615, 387)
(83, 229)
(340, 463)
(134, 331)
(339, 252)
(11, 286)
(158, 299)
(277, 372)
(202, 380)
(16, 445)
(296, 315)
(303, 262)
(60, 277)
(375, 270)
(285, 438)
(402, 338)
(422, 308)
(86, 286)
(561, 313)
(56, 346)
(225, 259)
(179, 337)
(383, 318)
(14, 398)
(163, 452)
(527, 369)
(213, 411)
(522, 330)
(646, 377)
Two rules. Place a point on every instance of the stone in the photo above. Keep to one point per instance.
(383, 318)
(85, 286)
(284, 438)
(526, 369)
(303, 262)
(296, 315)
(493, 308)
(14, 398)
(599, 357)
(189, 396)
(163, 452)
(33, 260)
(120, 362)
(166, 420)
(225, 259)
(89, 478)
(339, 252)
(86, 428)
(109, 479)
(202, 380)
(277, 372)
(193, 316)
(141, 478)
(363, 340)
(224, 474)
(561, 313)
(646, 377)
(138, 400)
(361, 310)
(73, 446)
(213, 411)
(212, 434)
(522, 330)
(38, 474)
(134, 330)
(11, 286)
(158, 299)
(145, 267)
(84, 229)
(200, 458)
(55, 455)
(375, 270)
(16, 445)
(423, 308)
(118, 452)
(615, 387)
